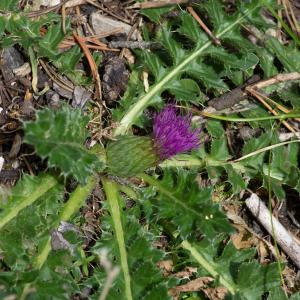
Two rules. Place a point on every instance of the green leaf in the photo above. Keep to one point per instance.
(277, 294)
(295, 296)
(236, 180)
(59, 136)
(155, 14)
(181, 61)
(185, 89)
(252, 145)
(179, 197)
(21, 237)
(254, 279)
(215, 128)
(8, 4)
(27, 191)
(69, 59)
(219, 150)
(288, 56)
(243, 277)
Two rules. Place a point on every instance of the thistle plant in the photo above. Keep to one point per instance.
(171, 217)
(172, 134)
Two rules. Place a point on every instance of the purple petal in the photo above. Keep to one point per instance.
(173, 134)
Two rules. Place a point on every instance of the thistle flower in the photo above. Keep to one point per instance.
(172, 133)
(130, 155)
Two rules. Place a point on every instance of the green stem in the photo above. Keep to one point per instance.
(47, 183)
(144, 101)
(232, 119)
(128, 191)
(209, 267)
(169, 194)
(76, 200)
(186, 245)
(183, 161)
(111, 192)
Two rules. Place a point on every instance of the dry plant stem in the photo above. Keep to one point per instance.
(107, 11)
(204, 27)
(276, 79)
(278, 106)
(111, 273)
(297, 27)
(41, 12)
(55, 77)
(286, 241)
(92, 64)
(287, 13)
(132, 30)
(287, 136)
(291, 16)
(279, 27)
(274, 112)
(63, 18)
(156, 4)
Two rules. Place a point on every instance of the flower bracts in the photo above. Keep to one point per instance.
(172, 134)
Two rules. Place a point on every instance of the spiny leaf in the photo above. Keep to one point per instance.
(17, 28)
(8, 4)
(195, 63)
(254, 279)
(27, 191)
(23, 234)
(24, 238)
(244, 277)
(288, 56)
(252, 145)
(59, 136)
(179, 197)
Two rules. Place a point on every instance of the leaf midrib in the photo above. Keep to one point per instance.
(142, 103)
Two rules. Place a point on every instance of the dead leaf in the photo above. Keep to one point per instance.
(186, 273)
(242, 239)
(217, 293)
(192, 286)
(166, 266)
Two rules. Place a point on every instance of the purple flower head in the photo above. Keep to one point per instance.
(173, 134)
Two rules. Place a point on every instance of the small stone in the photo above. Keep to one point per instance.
(80, 97)
(103, 24)
(115, 79)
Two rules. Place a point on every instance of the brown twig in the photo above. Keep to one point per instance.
(233, 97)
(261, 99)
(290, 16)
(63, 18)
(129, 35)
(278, 106)
(204, 27)
(156, 4)
(94, 70)
(108, 11)
(81, 41)
(285, 239)
(276, 79)
(38, 13)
